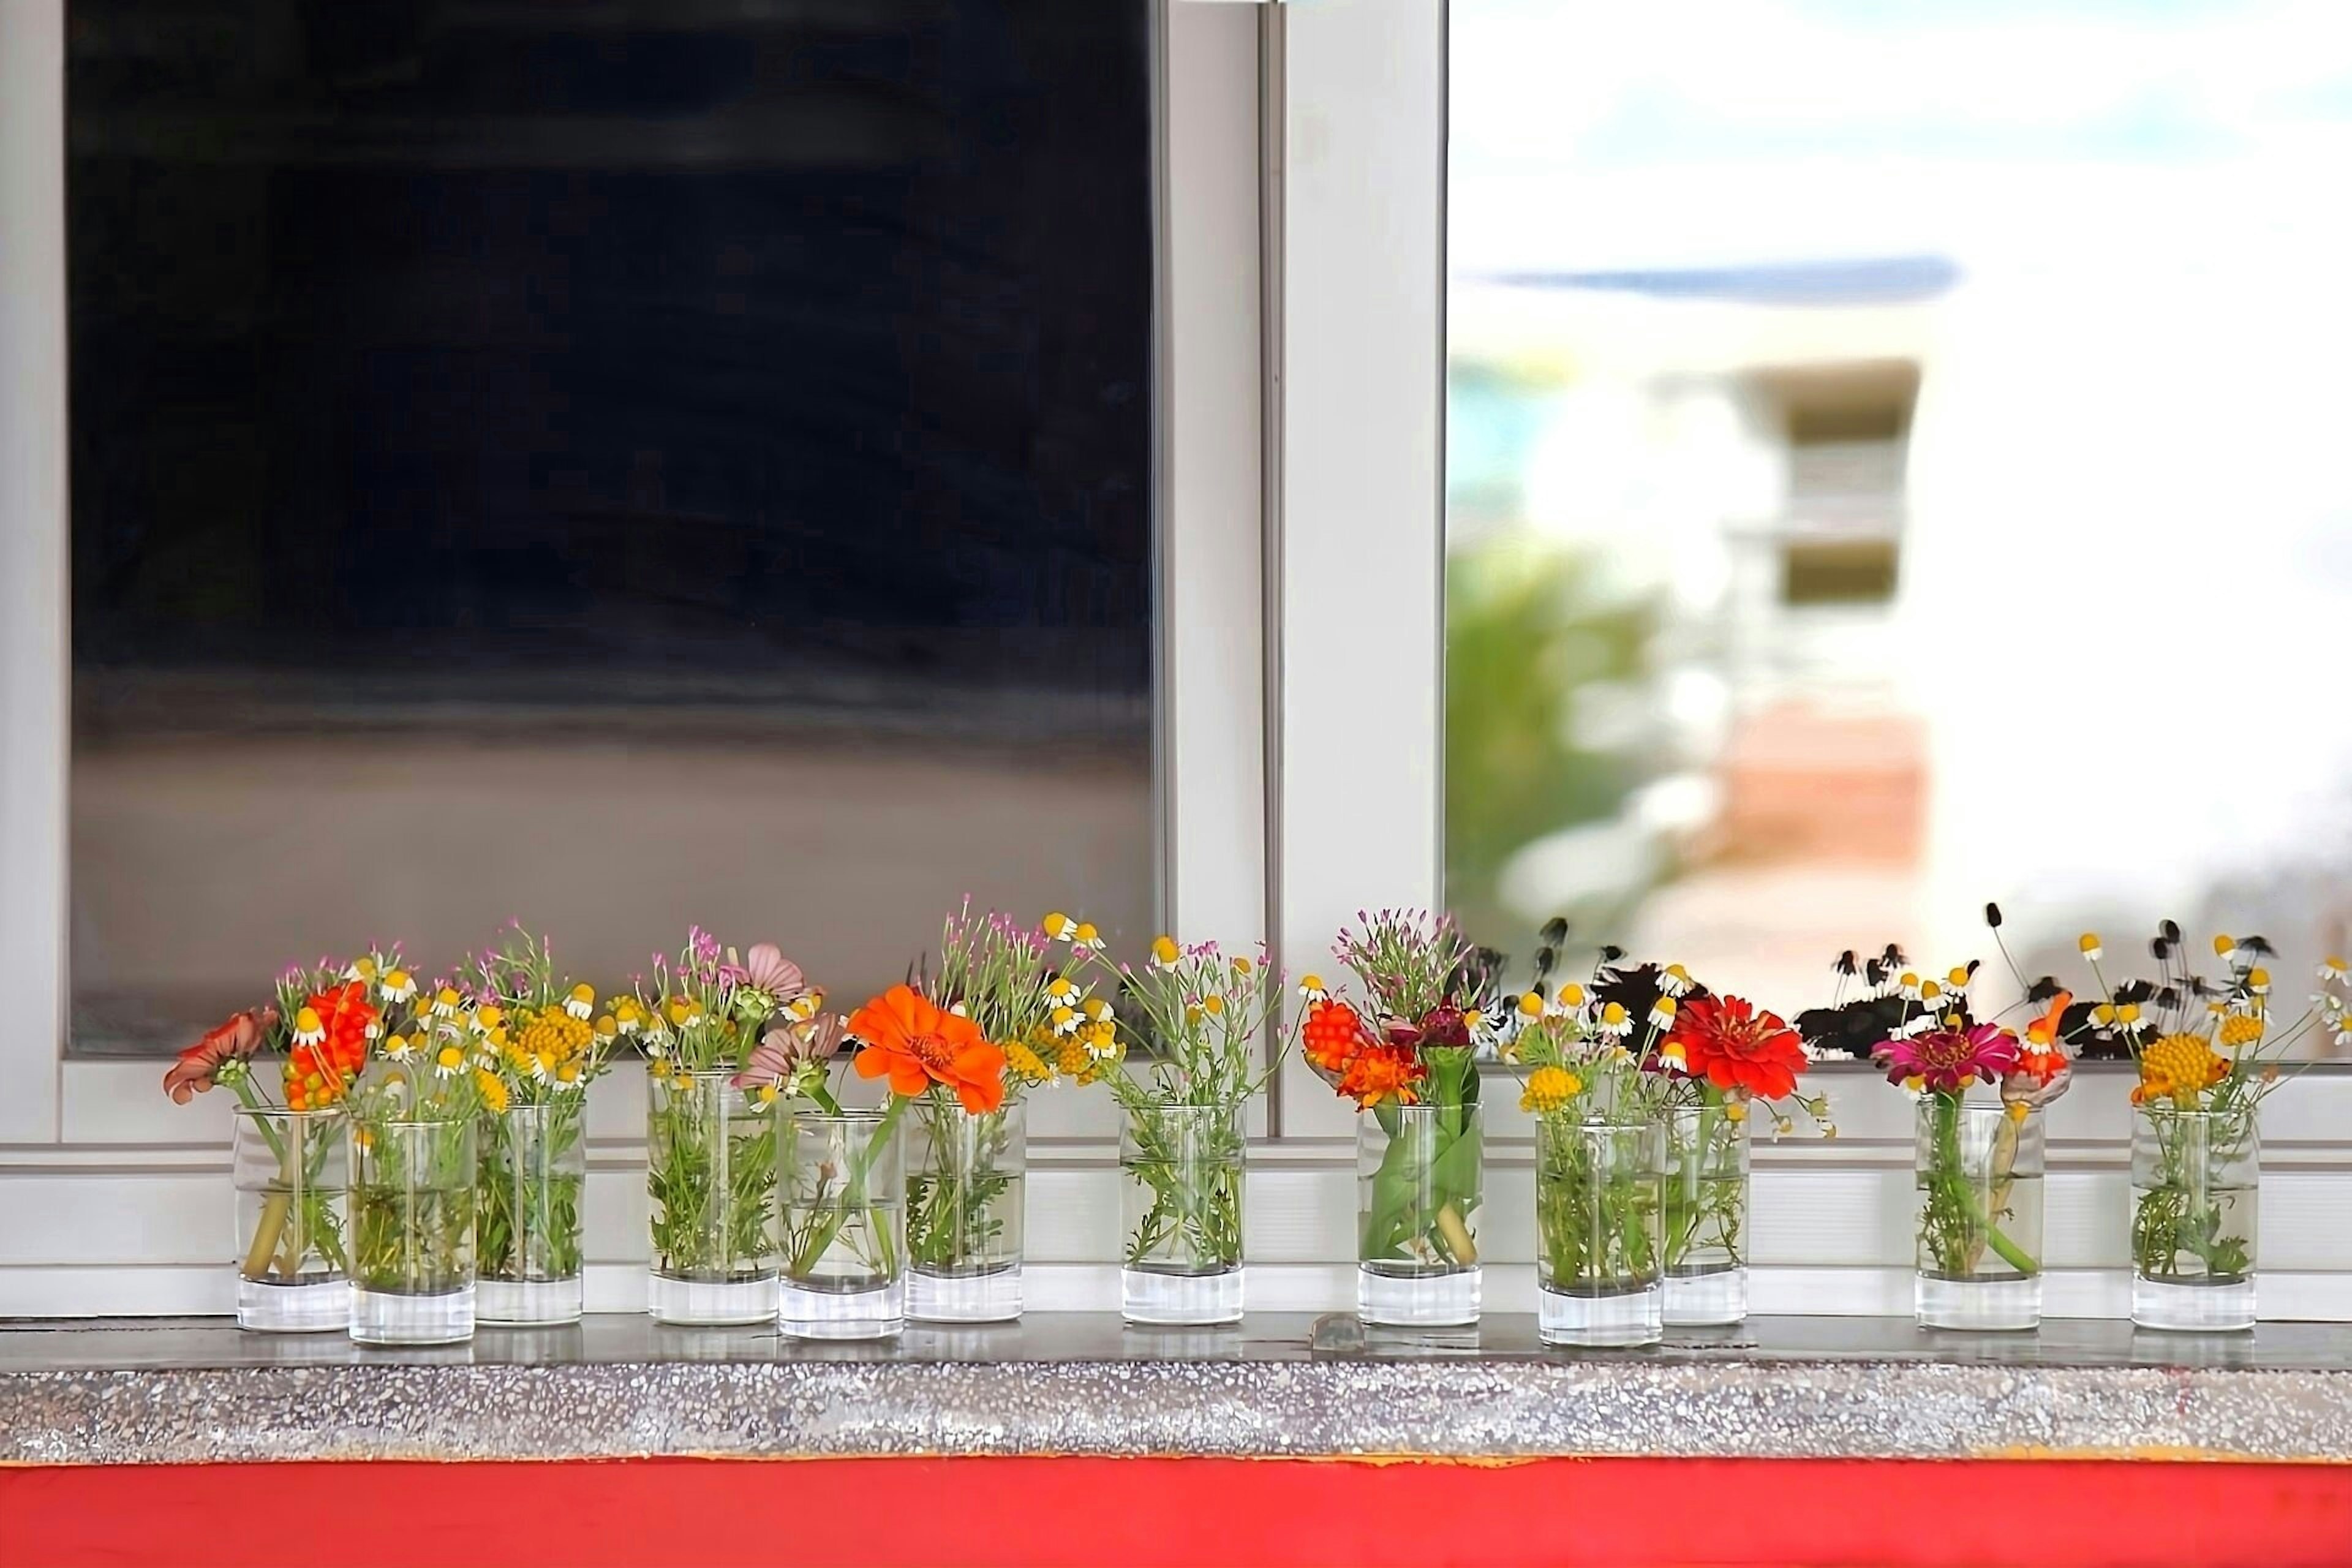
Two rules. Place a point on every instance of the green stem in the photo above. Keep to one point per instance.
(1963, 1191)
(854, 1195)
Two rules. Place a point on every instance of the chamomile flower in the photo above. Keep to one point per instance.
(582, 1003)
(2258, 980)
(1908, 986)
(627, 1016)
(1614, 1022)
(1165, 952)
(488, 1018)
(447, 1001)
(1064, 1020)
(448, 1061)
(309, 1027)
(1062, 991)
(399, 1049)
(361, 969)
(1311, 989)
(1058, 927)
(1675, 979)
(2332, 971)
(1662, 1014)
(1672, 1059)
(1097, 1010)
(398, 986)
(1085, 936)
(1572, 997)
(2088, 945)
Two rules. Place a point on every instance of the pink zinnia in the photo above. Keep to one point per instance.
(1945, 1060)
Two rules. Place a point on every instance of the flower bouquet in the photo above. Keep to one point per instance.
(1193, 1017)
(288, 1153)
(541, 1040)
(1977, 1166)
(710, 1135)
(411, 1164)
(967, 1154)
(1412, 1065)
(2208, 1052)
(1646, 1040)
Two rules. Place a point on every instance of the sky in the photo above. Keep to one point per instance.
(1698, 133)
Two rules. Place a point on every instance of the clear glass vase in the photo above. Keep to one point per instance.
(2196, 1212)
(1181, 1169)
(533, 1167)
(1977, 1170)
(1599, 1270)
(412, 1230)
(1706, 1221)
(844, 1230)
(1420, 1179)
(710, 1185)
(965, 1178)
(289, 1171)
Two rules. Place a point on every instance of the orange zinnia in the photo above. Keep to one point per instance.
(919, 1045)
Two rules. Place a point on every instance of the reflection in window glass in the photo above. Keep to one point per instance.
(616, 467)
(1894, 463)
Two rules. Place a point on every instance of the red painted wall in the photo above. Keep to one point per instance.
(1156, 1513)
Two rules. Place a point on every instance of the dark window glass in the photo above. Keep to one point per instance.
(615, 465)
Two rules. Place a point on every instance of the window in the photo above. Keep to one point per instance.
(1890, 467)
(607, 466)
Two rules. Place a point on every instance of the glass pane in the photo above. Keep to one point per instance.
(612, 466)
(1894, 463)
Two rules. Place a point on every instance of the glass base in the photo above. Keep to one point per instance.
(710, 1303)
(2193, 1308)
(1635, 1317)
(1151, 1296)
(526, 1303)
(1976, 1305)
(991, 1298)
(1703, 1301)
(395, 1318)
(320, 1307)
(873, 1312)
(1417, 1301)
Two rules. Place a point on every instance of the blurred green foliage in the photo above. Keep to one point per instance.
(1527, 627)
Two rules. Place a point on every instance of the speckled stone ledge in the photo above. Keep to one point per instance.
(193, 1390)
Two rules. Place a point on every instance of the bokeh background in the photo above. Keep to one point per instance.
(1896, 461)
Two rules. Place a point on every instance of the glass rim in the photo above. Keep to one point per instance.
(259, 1110)
(1602, 1124)
(1134, 1113)
(404, 1123)
(2191, 1112)
(848, 1116)
(698, 1075)
(1425, 1108)
(1983, 1107)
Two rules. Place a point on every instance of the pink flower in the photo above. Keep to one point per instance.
(1944, 1060)
(766, 968)
(788, 1047)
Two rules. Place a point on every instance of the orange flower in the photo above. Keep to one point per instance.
(319, 1071)
(1381, 1072)
(919, 1045)
(1331, 1037)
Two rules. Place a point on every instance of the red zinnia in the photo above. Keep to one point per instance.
(1735, 1046)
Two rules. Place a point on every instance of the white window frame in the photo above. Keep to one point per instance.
(1299, 208)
